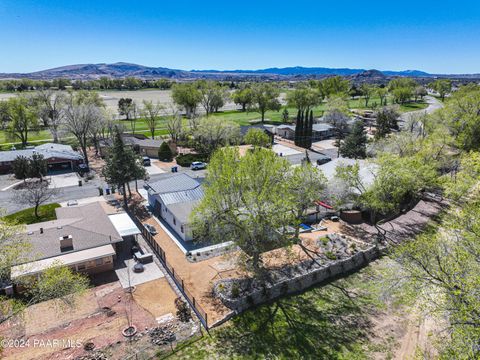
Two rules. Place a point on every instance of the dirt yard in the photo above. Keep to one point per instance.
(98, 317)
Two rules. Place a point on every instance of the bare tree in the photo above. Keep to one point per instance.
(35, 193)
(174, 127)
(80, 121)
(151, 113)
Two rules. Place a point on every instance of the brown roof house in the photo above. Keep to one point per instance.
(141, 144)
(85, 238)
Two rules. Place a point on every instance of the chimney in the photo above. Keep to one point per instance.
(41, 230)
(66, 243)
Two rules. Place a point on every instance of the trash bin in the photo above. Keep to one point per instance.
(175, 169)
(79, 182)
(107, 191)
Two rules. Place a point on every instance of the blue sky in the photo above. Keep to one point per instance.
(434, 36)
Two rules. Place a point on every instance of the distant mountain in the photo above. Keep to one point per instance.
(122, 70)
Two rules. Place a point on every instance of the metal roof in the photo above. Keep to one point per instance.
(175, 183)
(182, 196)
(124, 224)
(182, 211)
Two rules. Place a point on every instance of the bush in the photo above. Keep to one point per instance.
(183, 311)
(187, 159)
(165, 153)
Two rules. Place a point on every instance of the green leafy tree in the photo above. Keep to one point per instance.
(22, 118)
(252, 200)
(265, 98)
(355, 144)
(442, 87)
(382, 93)
(126, 107)
(334, 86)
(243, 97)
(304, 98)
(257, 138)
(187, 96)
(367, 92)
(212, 134)
(213, 96)
(165, 153)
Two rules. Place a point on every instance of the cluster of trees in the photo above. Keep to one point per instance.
(104, 83)
(32, 167)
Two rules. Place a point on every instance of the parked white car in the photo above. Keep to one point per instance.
(197, 165)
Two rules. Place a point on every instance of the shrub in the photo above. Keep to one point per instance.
(183, 311)
(330, 255)
(187, 159)
(235, 290)
(165, 153)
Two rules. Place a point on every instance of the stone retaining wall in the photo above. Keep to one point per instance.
(304, 277)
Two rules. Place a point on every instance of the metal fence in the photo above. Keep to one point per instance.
(202, 315)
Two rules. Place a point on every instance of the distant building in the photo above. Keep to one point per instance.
(321, 131)
(173, 200)
(140, 144)
(84, 238)
(59, 157)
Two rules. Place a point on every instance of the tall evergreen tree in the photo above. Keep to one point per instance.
(122, 165)
(355, 144)
(298, 127)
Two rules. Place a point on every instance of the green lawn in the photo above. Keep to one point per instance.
(329, 322)
(27, 216)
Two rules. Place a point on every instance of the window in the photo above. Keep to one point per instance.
(99, 262)
(181, 229)
(174, 221)
(81, 267)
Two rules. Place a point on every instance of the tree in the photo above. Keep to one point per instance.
(304, 98)
(367, 92)
(402, 95)
(337, 114)
(165, 153)
(285, 115)
(51, 109)
(245, 201)
(382, 93)
(122, 165)
(20, 167)
(127, 108)
(151, 113)
(212, 96)
(265, 98)
(80, 120)
(37, 166)
(386, 120)
(187, 96)
(257, 138)
(355, 144)
(442, 87)
(419, 93)
(22, 118)
(243, 97)
(34, 194)
(334, 86)
(212, 134)
(175, 127)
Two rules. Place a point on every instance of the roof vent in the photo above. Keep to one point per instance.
(59, 227)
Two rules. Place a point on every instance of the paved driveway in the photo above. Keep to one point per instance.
(63, 180)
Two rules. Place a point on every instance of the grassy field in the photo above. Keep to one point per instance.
(27, 216)
(329, 322)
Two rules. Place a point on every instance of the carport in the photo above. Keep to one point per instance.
(124, 225)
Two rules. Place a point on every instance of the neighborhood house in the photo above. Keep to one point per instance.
(59, 157)
(321, 131)
(173, 200)
(85, 238)
(140, 144)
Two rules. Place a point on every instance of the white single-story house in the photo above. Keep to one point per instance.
(173, 200)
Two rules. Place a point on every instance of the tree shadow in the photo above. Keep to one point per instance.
(318, 324)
